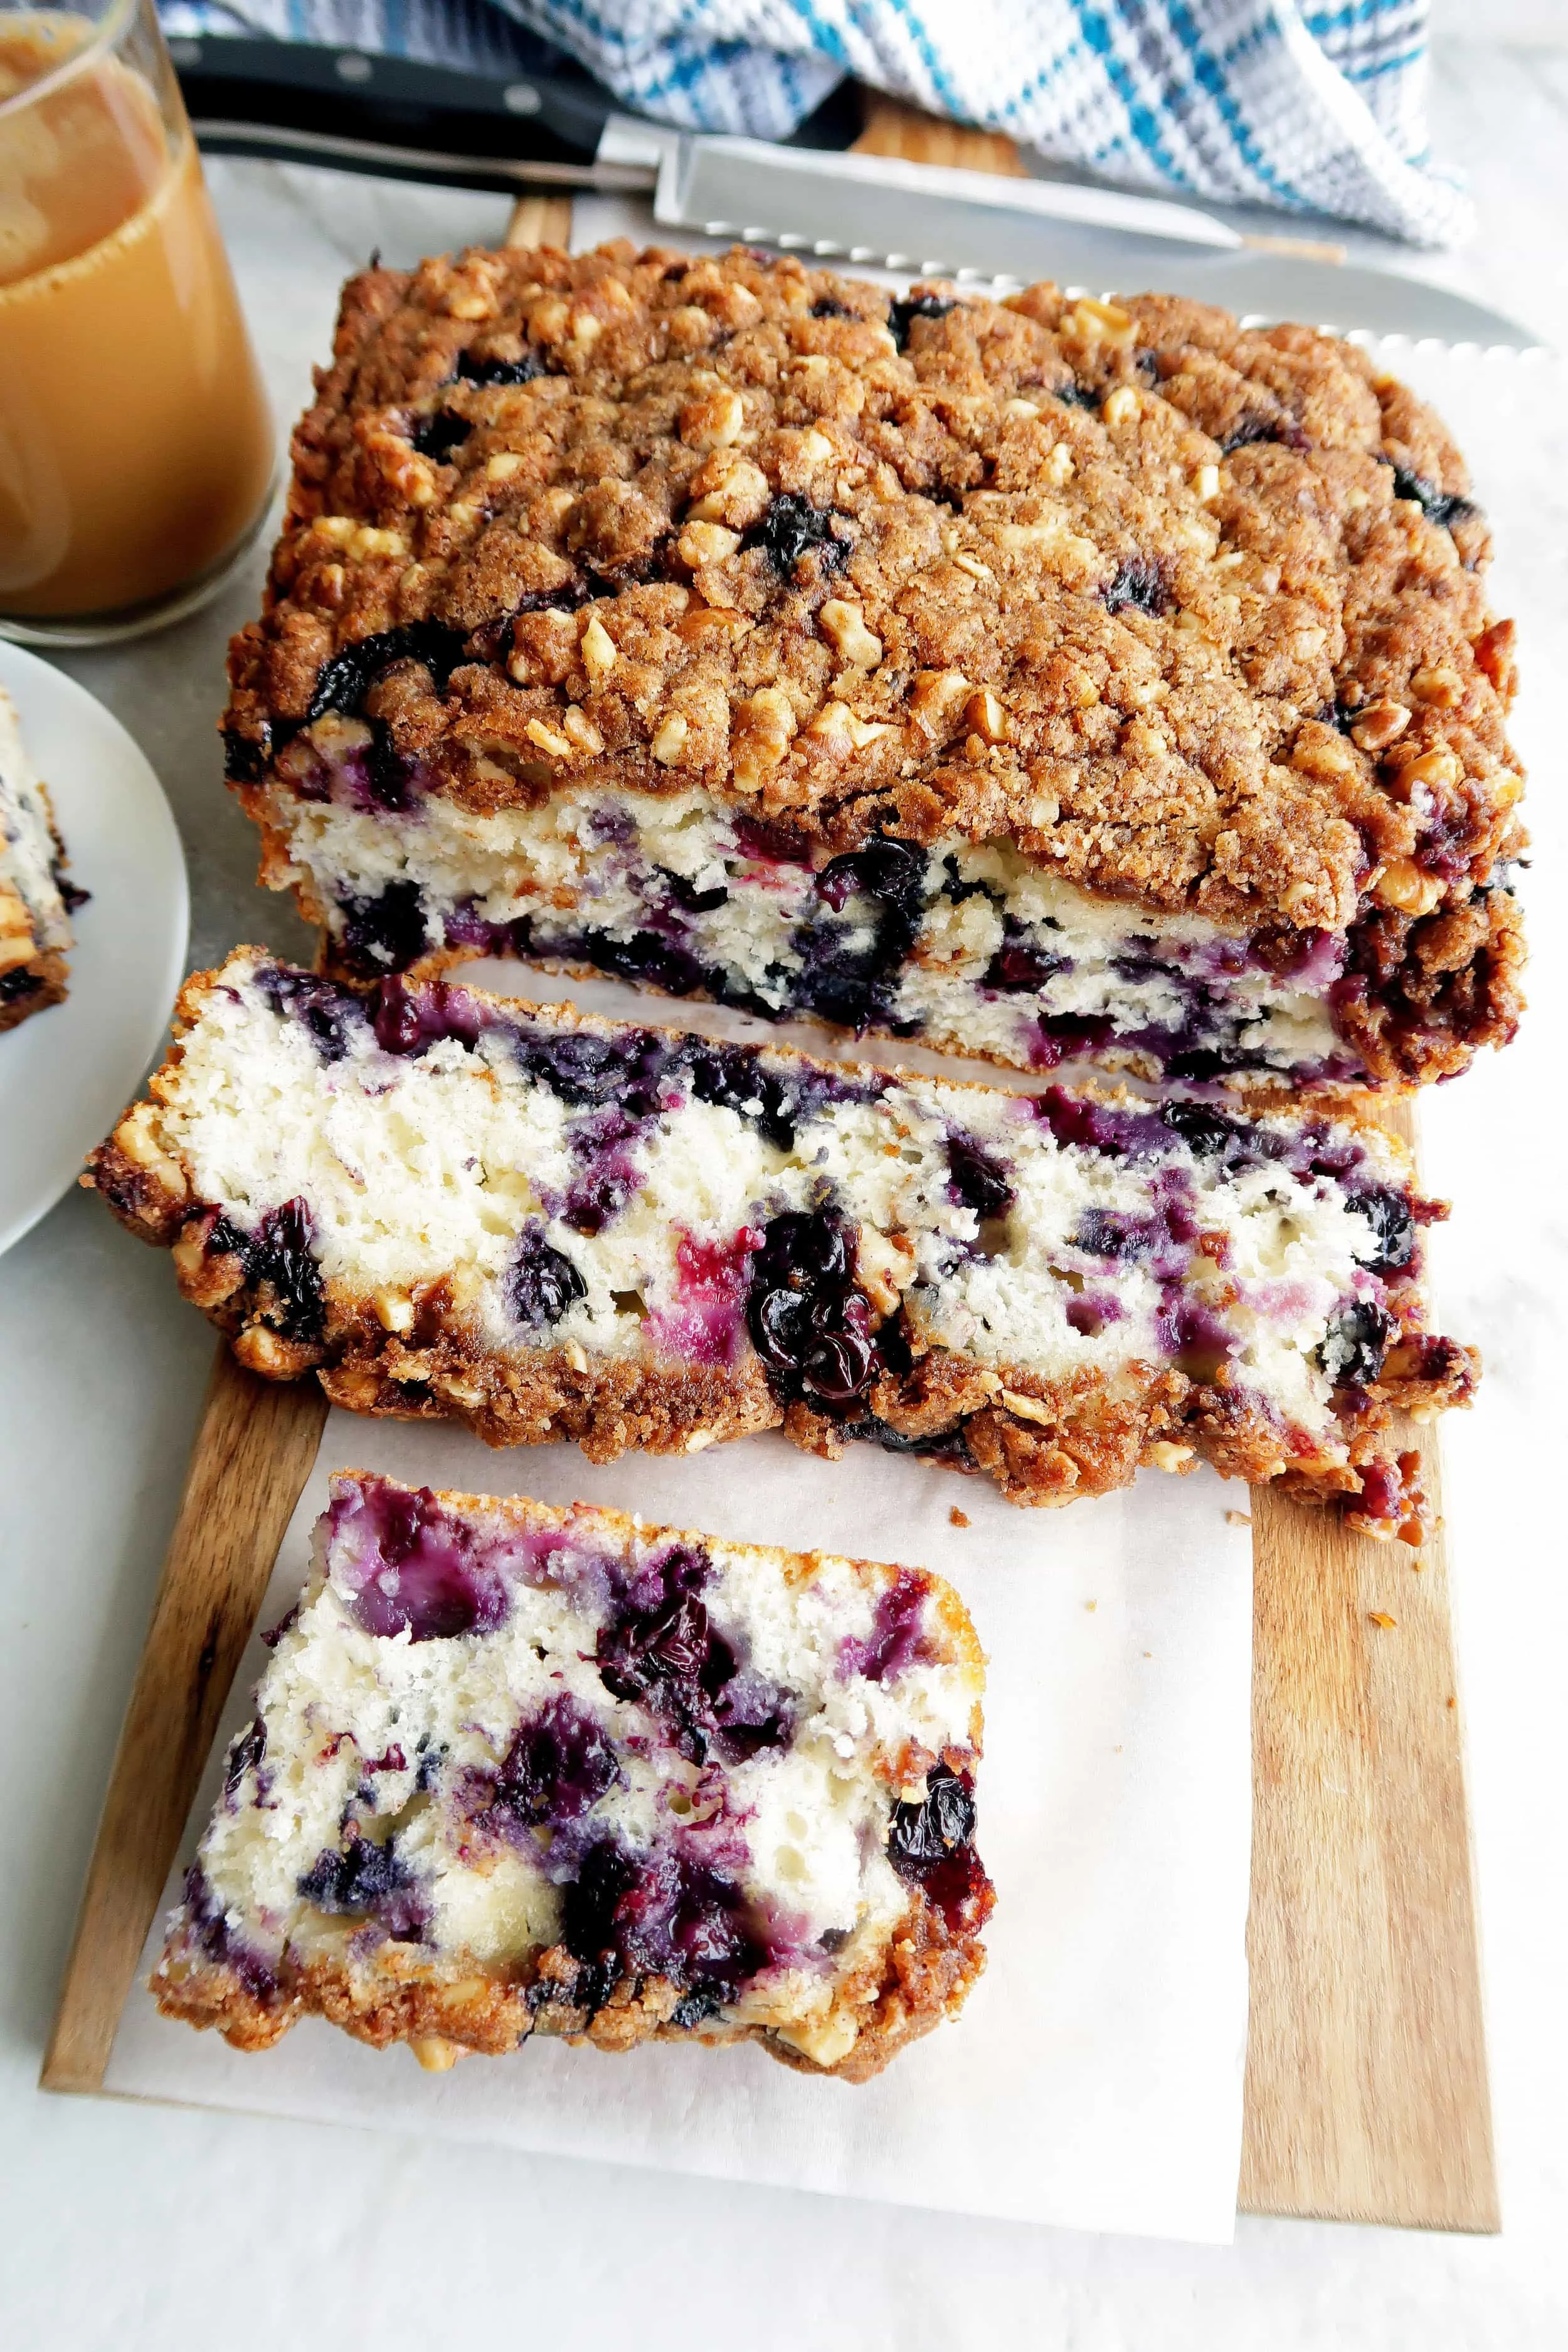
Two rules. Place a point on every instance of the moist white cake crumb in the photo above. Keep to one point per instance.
(548, 1226)
(1005, 960)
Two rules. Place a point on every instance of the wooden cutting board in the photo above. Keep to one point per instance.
(1366, 2090)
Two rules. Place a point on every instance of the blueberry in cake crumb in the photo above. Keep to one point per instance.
(552, 1227)
(903, 314)
(1356, 1344)
(664, 1787)
(343, 682)
(1441, 506)
(437, 436)
(542, 1283)
(1138, 583)
(622, 597)
(792, 529)
(809, 1324)
(492, 369)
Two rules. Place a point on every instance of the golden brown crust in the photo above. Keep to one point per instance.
(1215, 641)
(28, 987)
(920, 1976)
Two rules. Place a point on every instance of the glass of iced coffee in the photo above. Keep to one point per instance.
(136, 442)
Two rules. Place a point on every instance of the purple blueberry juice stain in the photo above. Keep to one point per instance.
(1313, 959)
(1085, 1125)
(706, 1322)
(609, 826)
(1194, 1338)
(207, 1926)
(411, 1017)
(1020, 963)
(649, 1577)
(771, 844)
(1312, 1151)
(1092, 1312)
(1159, 1238)
(897, 1640)
(607, 1177)
(464, 927)
(405, 1564)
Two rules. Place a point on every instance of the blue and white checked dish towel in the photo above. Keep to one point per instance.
(1318, 109)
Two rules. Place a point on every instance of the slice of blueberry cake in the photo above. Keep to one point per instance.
(35, 899)
(454, 1205)
(519, 1769)
(1045, 679)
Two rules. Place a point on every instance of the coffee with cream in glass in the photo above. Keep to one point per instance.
(136, 444)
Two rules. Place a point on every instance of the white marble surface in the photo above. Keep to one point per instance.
(125, 2226)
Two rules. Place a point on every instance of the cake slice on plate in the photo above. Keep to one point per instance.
(35, 898)
(1043, 678)
(519, 1769)
(547, 1225)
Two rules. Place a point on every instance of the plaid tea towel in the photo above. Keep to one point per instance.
(1311, 109)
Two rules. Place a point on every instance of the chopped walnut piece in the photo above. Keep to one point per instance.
(844, 626)
(1379, 724)
(762, 733)
(599, 653)
(1403, 886)
(670, 740)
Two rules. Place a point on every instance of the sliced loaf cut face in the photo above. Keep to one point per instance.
(519, 1769)
(35, 918)
(546, 1225)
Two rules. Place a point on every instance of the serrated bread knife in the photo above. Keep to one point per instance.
(558, 130)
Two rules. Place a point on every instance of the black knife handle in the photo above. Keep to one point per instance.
(554, 117)
(548, 109)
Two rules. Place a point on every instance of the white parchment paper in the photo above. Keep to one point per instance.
(1094, 2078)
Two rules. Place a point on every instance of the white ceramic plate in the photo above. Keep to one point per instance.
(67, 1074)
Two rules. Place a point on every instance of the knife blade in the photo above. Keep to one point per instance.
(928, 221)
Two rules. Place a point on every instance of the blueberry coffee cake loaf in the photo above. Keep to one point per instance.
(1044, 680)
(516, 1769)
(35, 899)
(546, 1225)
